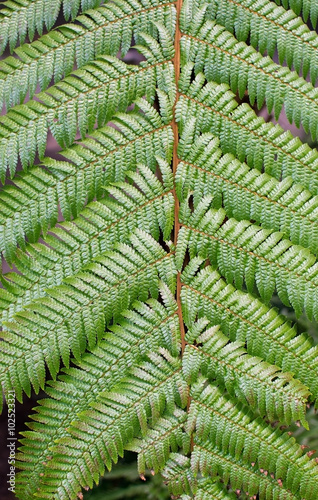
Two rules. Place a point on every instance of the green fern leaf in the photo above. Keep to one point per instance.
(244, 318)
(71, 246)
(258, 384)
(74, 314)
(244, 134)
(267, 201)
(306, 7)
(19, 18)
(145, 254)
(207, 459)
(111, 426)
(180, 478)
(154, 450)
(74, 105)
(55, 54)
(213, 414)
(143, 330)
(97, 161)
(216, 52)
(280, 30)
(247, 253)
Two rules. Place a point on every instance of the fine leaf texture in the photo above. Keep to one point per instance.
(245, 252)
(145, 328)
(260, 385)
(19, 18)
(74, 105)
(73, 315)
(304, 7)
(103, 158)
(225, 60)
(152, 211)
(102, 31)
(280, 30)
(246, 319)
(68, 248)
(263, 199)
(248, 137)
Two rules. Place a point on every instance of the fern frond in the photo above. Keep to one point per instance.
(21, 18)
(223, 59)
(145, 257)
(244, 318)
(180, 478)
(178, 475)
(208, 460)
(262, 386)
(155, 448)
(237, 436)
(149, 205)
(102, 31)
(101, 433)
(307, 8)
(93, 93)
(31, 205)
(246, 253)
(145, 329)
(235, 430)
(273, 204)
(241, 132)
(269, 28)
(73, 316)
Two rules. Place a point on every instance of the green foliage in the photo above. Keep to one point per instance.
(253, 252)
(75, 104)
(96, 162)
(145, 258)
(225, 60)
(266, 146)
(105, 30)
(278, 30)
(264, 199)
(262, 386)
(307, 8)
(21, 18)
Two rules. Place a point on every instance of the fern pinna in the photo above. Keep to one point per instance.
(145, 258)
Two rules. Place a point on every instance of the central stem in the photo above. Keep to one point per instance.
(176, 161)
